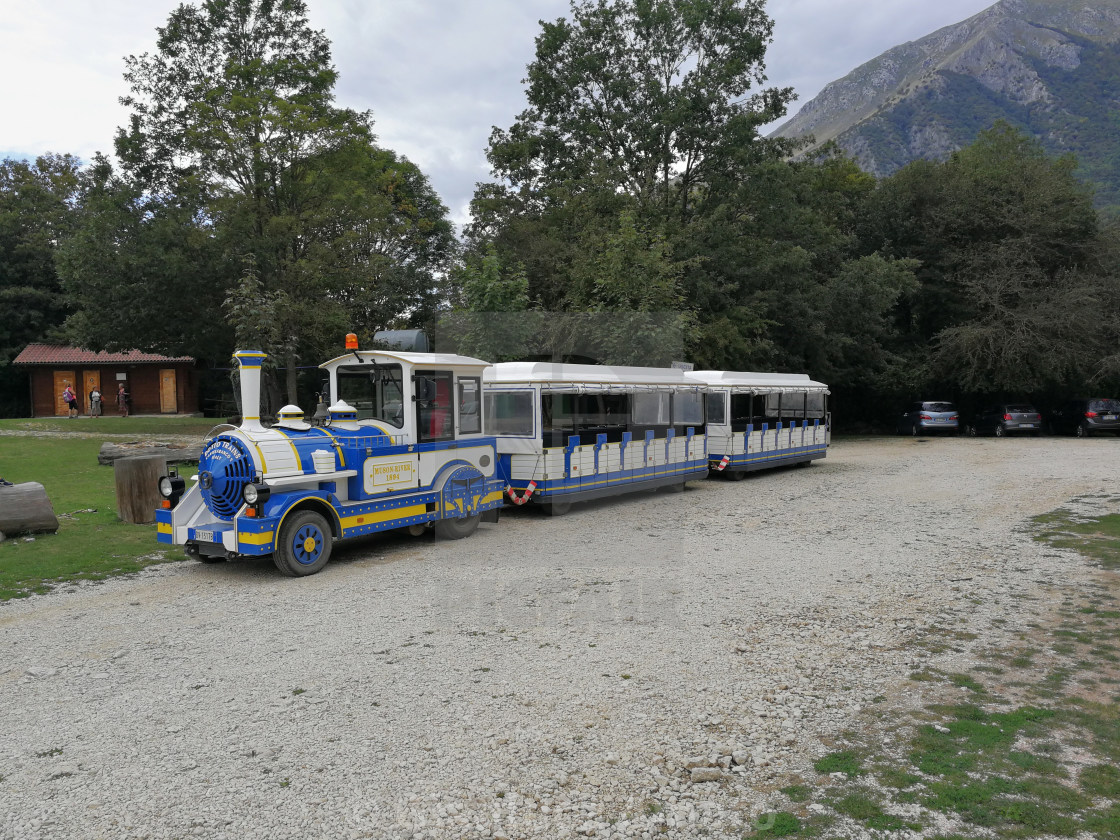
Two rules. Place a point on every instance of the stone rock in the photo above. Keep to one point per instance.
(706, 774)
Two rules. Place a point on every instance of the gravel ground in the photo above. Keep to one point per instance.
(655, 664)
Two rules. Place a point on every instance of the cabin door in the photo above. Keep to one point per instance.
(90, 379)
(167, 400)
(62, 378)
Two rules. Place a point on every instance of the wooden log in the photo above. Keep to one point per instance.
(25, 509)
(137, 481)
(173, 452)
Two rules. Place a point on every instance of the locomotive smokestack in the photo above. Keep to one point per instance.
(250, 363)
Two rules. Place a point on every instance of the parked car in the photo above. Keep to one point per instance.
(929, 416)
(1086, 417)
(1007, 418)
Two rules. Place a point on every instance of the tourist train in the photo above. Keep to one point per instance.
(441, 441)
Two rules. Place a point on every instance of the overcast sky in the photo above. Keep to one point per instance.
(437, 74)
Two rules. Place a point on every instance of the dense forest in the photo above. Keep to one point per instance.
(635, 216)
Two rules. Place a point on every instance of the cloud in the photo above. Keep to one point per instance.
(437, 75)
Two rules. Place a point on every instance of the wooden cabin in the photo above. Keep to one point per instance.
(156, 384)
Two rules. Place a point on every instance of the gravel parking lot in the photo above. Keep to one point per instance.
(655, 664)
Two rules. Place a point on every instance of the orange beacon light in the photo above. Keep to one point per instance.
(351, 341)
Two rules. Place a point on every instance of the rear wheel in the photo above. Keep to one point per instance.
(914, 430)
(998, 431)
(304, 544)
(456, 529)
(737, 475)
(972, 431)
(1082, 431)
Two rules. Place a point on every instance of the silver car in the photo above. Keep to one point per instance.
(928, 417)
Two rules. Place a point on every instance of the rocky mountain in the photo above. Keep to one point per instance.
(1049, 67)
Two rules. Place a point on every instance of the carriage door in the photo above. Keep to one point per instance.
(167, 401)
(62, 378)
(90, 379)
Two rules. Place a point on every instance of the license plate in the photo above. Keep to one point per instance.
(204, 536)
(939, 420)
(1026, 425)
(1109, 417)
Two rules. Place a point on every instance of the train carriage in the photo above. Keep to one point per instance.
(403, 445)
(573, 432)
(760, 420)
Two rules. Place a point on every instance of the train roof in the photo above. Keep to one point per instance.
(421, 360)
(738, 380)
(555, 376)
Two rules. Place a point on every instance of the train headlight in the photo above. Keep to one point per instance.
(171, 487)
(256, 494)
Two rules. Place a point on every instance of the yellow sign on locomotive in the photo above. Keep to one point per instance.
(383, 474)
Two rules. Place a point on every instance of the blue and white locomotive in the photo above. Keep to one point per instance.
(403, 447)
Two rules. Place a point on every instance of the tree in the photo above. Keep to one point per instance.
(648, 97)
(35, 213)
(233, 134)
(1011, 269)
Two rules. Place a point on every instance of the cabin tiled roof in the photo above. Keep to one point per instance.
(61, 354)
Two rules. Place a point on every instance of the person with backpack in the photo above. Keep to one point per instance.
(71, 400)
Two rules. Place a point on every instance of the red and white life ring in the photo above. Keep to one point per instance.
(521, 499)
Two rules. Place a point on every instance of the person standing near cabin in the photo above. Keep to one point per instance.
(122, 400)
(71, 400)
(95, 402)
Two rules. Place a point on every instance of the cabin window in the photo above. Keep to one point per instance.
(716, 407)
(374, 391)
(470, 417)
(651, 408)
(435, 415)
(509, 412)
(688, 408)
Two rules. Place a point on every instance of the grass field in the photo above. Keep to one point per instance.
(91, 542)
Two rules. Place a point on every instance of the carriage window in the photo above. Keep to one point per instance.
(741, 408)
(716, 406)
(375, 391)
(814, 406)
(435, 414)
(688, 409)
(470, 420)
(651, 409)
(509, 413)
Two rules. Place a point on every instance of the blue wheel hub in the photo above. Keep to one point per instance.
(307, 544)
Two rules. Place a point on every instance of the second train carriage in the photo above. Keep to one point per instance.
(760, 420)
(572, 432)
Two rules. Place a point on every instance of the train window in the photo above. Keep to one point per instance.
(509, 413)
(651, 409)
(688, 409)
(741, 408)
(375, 391)
(470, 417)
(814, 406)
(716, 406)
(435, 417)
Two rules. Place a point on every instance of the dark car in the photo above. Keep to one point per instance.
(1007, 418)
(929, 416)
(1086, 417)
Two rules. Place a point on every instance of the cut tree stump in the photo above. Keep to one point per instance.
(137, 481)
(173, 452)
(25, 509)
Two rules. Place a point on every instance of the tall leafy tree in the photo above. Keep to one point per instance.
(234, 133)
(35, 213)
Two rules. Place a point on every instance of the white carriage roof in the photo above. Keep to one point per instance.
(420, 360)
(553, 376)
(738, 380)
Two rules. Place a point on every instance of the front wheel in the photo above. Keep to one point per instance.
(304, 544)
(457, 529)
